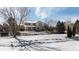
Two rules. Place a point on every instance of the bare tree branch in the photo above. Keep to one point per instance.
(14, 13)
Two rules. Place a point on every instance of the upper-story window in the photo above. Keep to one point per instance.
(27, 24)
(34, 24)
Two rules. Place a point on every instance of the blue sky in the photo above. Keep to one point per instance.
(73, 11)
(54, 13)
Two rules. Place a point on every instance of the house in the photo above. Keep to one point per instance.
(3, 31)
(32, 25)
(40, 26)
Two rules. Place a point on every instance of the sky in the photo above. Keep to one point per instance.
(52, 13)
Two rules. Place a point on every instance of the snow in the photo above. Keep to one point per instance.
(65, 46)
(37, 37)
(51, 42)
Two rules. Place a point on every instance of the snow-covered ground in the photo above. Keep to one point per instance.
(37, 37)
(64, 46)
(52, 42)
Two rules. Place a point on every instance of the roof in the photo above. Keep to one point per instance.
(29, 26)
(30, 21)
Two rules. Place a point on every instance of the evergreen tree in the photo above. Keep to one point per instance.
(60, 27)
(74, 30)
(77, 26)
(69, 32)
(77, 21)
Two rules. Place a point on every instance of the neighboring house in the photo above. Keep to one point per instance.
(32, 25)
(3, 32)
(40, 25)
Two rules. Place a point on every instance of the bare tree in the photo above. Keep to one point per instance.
(23, 12)
(13, 14)
(7, 12)
(12, 26)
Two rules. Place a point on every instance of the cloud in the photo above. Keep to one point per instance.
(44, 12)
(41, 13)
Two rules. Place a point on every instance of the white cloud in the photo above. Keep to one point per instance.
(40, 13)
(44, 12)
